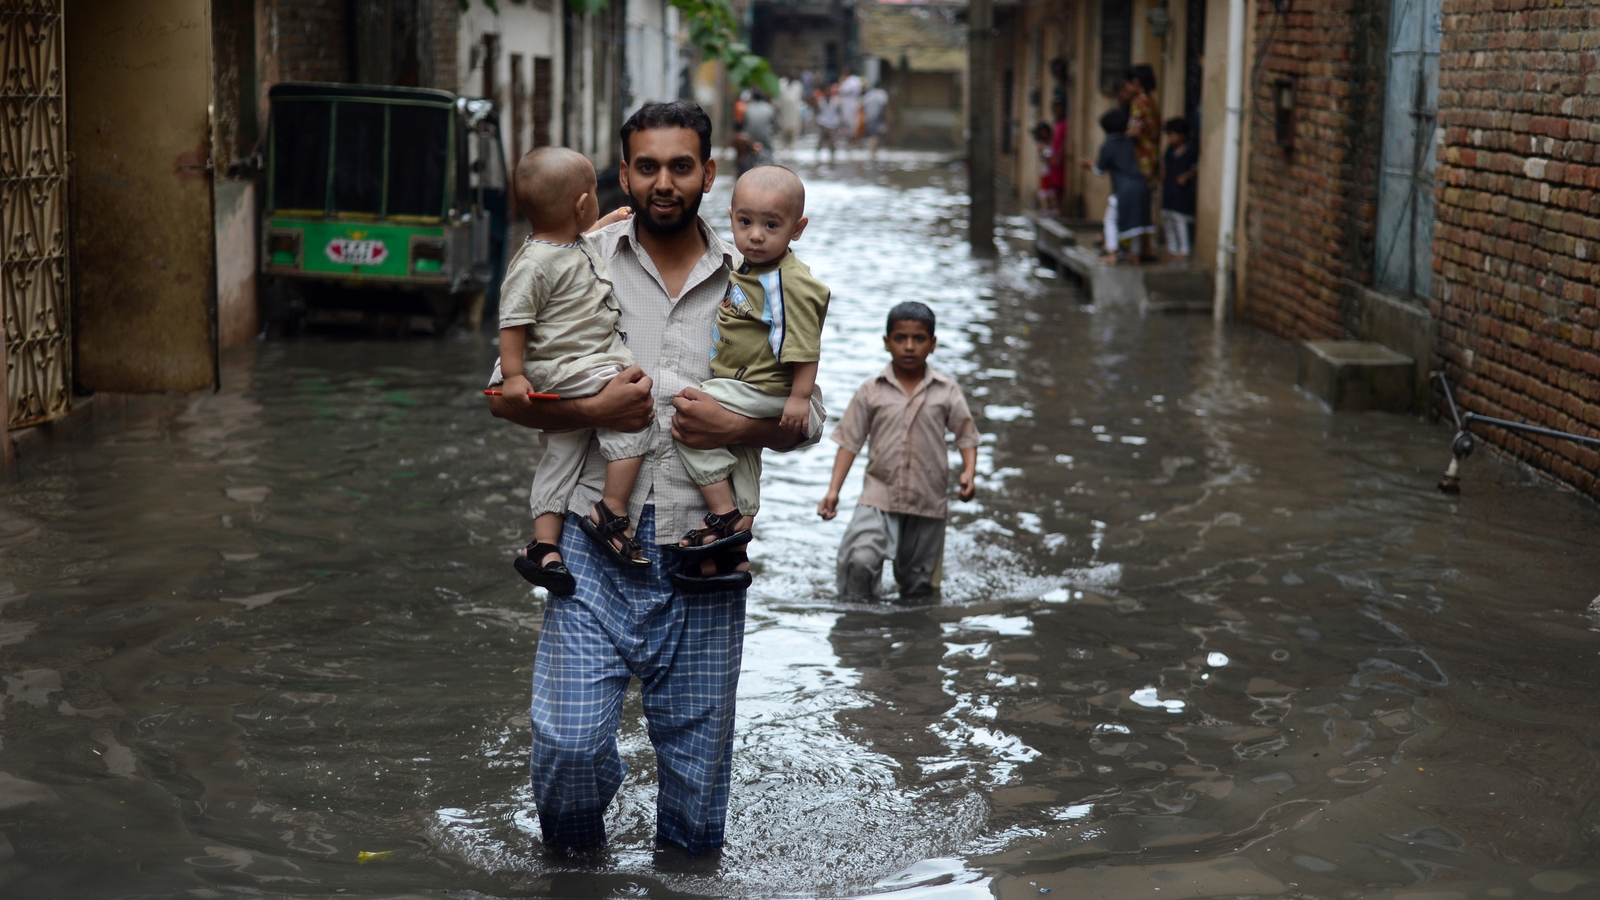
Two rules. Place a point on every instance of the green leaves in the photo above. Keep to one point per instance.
(713, 28)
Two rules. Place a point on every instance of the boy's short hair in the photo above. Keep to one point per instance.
(910, 311)
(1178, 126)
(1115, 121)
(1143, 73)
(1042, 131)
(676, 114)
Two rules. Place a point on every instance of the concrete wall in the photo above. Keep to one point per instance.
(139, 79)
(529, 30)
(653, 59)
(236, 216)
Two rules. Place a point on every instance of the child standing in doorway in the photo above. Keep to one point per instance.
(1127, 214)
(903, 413)
(1178, 166)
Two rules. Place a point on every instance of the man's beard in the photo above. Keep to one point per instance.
(666, 227)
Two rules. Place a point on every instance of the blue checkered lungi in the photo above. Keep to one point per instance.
(685, 649)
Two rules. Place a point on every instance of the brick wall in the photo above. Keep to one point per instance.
(446, 25)
(1312, 209)
(311, 43)
(1518, 221)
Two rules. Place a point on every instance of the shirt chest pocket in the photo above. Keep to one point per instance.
(736, 305)
(933, 412)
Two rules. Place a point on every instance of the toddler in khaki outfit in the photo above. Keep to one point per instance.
(763, 364)
(559, 336)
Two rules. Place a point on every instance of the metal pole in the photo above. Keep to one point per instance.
(1231, 132)
(981, 136)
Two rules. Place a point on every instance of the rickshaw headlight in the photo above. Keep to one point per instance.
(427, 256)
(283, 248)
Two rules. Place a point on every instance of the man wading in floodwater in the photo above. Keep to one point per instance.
(670, 272)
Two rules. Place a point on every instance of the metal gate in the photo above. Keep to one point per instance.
(33, 210)
(1410, 142)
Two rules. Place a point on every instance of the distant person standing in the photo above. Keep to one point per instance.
(875, 109)
(1053, 156)
(829, 121)
(1144, 120)
(850, 89)
(903, 413)
(755, 141)
(790, 101)
(1178, 167)
(1127, 215)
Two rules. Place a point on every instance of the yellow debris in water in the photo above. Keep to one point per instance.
(365, 857)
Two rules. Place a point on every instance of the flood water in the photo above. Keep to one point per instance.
(1197, 637)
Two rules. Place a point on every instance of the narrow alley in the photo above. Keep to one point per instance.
(268, 641)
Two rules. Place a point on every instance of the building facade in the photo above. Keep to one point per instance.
(1417, 173)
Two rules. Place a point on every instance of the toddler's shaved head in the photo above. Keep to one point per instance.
(548, 181)
(775, 181)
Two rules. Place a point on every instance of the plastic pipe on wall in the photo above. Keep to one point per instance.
(1231, 134)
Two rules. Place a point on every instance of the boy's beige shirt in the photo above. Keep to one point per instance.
(561, 293)
(908, 468)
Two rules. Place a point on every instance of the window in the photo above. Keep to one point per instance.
(542, 109)
(519, 116)
(1403, 262)
(300, 132)
(419, 139)
(358, 158)
(1116, 43)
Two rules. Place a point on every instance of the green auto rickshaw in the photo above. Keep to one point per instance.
(386, 201)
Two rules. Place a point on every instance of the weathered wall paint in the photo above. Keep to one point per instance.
(237, 320)
(144, 296)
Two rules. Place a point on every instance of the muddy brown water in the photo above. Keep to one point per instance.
(1197, 638)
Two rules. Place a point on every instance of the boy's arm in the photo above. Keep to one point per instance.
(797, 409)
(842, 461)
(969, 473)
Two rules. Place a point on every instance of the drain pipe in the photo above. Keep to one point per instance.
(1231, 134)
(1462, 445)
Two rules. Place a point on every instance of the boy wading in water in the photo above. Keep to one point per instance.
(903, 413)
(764, 355)
(559, 335)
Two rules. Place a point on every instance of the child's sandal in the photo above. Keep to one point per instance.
(614, 527)
(728, 578)
(554, 577)
(693, 547)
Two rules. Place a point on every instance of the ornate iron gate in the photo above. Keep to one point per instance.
(33, 210)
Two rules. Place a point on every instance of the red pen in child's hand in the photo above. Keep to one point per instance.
(531, 395)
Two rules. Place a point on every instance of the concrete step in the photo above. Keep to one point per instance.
(1349, 375)
(1177, 290)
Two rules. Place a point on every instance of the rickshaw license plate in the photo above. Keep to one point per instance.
(352, 252)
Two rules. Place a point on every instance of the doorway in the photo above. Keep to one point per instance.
(1403, 260)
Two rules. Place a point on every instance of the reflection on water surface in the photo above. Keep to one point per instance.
(1197, 635)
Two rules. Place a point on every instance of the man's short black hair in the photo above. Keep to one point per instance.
(1178, 126)
(1115, 121)
(910, 311)
(674, 114)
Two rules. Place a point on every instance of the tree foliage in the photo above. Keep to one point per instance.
(713, 28)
